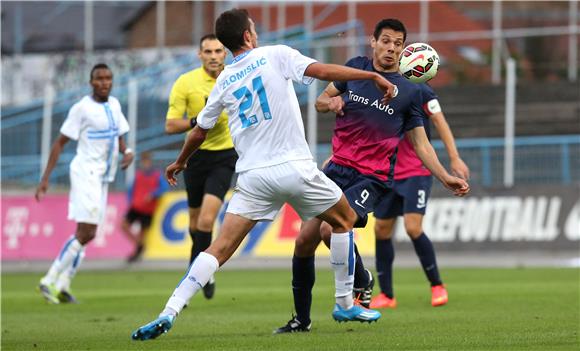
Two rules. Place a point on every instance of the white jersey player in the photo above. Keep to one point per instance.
(96, 126)
(257, 92)
(97, 123)
(275, 165)
(267, 130)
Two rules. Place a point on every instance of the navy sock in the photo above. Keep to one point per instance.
(201, 241)
(384, 261)
(426, 252)
(361, 278)
(303, 276)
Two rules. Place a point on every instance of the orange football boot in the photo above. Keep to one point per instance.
(383, 301)
(438, 295)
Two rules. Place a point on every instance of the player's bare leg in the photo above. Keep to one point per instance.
(308, 239)
(126, 229)
(140, 237)
(234, 229)
(86, 232)
(135, 237)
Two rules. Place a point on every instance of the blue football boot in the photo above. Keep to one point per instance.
(153, 329)
(355, 313)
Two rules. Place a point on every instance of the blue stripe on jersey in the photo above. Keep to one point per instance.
(99, 131)
(110, 116)
(114, 133)
(110, 134)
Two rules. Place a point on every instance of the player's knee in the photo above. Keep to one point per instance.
(414, 230)
(222, 250)
(305, 245)
(193, 222)
(86, 235)
(345, 222)
(205, 223)
(325, 233)
(383, 230)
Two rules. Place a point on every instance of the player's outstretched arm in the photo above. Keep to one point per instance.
(331, 72)
(427, 154)
(55, 151)
(458, 167)
(330, 100)
(192, 143)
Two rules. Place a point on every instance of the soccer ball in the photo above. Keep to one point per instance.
(419, 62)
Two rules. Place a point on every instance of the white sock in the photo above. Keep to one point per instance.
(63, 261)
(66, 277)
(342, 260)
(199, 273)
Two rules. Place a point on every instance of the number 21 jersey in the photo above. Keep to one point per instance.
(257, 93)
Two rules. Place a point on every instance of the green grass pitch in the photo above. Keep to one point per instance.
(489, 309)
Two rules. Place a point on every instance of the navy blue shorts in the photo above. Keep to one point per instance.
(362, 191)
(409, 196)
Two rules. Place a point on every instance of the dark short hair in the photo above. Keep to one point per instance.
(390, 23)
(230, 27)
(96, 67)
(209, 36)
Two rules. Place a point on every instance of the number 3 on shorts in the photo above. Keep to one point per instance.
(248, 98)
(421, 200)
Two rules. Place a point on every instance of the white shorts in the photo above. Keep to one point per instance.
(87, 199)
(260, 193)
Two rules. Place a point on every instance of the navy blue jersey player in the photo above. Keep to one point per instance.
(364, 147)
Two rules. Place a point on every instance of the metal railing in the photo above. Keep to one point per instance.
(539, 160)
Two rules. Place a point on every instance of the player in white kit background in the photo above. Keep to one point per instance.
(97, 124)
(275, 165)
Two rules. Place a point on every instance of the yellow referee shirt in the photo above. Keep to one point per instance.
(188, 97)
